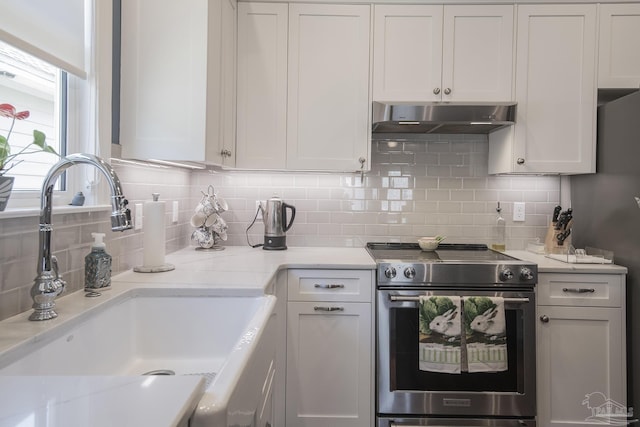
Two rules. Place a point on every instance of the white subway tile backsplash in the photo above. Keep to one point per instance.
(425, 185)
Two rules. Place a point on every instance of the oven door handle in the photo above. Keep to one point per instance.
(401, 298)
(394, 424)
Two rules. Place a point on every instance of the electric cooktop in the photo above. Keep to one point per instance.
(405, 264)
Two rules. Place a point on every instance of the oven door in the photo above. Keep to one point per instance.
(402, 388)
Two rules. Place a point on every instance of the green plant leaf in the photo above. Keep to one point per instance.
(5, 150)
(39, 139)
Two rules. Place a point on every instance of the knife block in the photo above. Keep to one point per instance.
(551, 245)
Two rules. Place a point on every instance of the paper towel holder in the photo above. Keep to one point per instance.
(154, 268)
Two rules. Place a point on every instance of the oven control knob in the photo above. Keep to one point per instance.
(409, 272)
(390, 272)
(506, 274)
(526, 273)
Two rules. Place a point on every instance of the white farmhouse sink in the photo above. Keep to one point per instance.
(219, 337)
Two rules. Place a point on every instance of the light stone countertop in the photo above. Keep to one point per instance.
(548, 265)
(238, 271)
(246, 269)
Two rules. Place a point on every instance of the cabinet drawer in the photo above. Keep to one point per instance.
(588, 290)
(330, 285)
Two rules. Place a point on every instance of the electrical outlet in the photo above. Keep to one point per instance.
(137, 218)
(258, 204)
(174, 212)
(518, 211)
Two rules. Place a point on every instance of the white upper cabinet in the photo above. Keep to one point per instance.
(555, 92)
(178, 80)
(619, 55)
(407, 52)
(436, 53)
(328, 123)
(303, 86)
(262, 85)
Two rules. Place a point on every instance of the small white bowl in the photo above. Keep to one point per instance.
(429, 243)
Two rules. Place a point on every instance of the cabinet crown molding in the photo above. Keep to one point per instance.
(441, 2)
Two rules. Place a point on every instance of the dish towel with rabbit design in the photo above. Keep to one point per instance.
(439, 324)
(486, 340)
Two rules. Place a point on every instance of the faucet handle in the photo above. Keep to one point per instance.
(121, 215)
(58, 279)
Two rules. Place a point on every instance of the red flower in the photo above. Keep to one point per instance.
(9, 111)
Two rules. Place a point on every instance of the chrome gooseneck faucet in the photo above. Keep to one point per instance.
(48, 284)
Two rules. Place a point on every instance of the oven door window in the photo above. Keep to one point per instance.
(403, 352)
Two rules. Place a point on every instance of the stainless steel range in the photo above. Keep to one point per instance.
(416, 388)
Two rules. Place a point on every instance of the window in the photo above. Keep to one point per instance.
(70, 91)
(30, 84)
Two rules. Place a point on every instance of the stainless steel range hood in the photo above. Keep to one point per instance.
(441, 117)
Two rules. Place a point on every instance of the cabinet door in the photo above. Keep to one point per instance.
(177, 103)
(555, 89)
(407, 53)
(328, 117)
(262, 85)
(619, 56)
(581, 350)
(163, 102)
(477, 53)
(223, 151)
(329, 364)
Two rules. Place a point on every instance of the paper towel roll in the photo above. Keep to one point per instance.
(154, 234)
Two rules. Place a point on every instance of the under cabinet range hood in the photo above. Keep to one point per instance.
(442, 117)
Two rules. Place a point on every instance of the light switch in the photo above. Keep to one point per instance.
(174, 212)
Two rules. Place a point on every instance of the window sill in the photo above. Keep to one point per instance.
(57, 210)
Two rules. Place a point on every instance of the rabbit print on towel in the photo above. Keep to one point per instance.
(439, 330)
(485, 327)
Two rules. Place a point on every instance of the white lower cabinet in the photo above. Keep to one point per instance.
(329, 365)
(581, 358)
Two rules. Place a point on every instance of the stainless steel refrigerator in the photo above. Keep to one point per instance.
(608, 216)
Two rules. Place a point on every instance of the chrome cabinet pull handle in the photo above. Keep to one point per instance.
(329, 286)
(520, 161)
(447, 91)
(436, 91)
(329, 309)
(579, 290)
(362, 161)
(544, 318)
